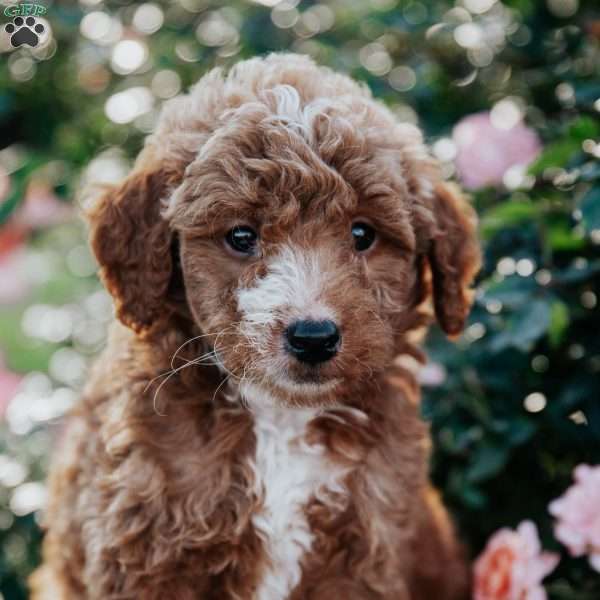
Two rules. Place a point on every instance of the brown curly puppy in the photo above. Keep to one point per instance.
(250, 435)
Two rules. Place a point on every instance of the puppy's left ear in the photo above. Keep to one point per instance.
(454, 257)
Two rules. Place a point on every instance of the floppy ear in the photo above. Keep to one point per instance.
(454, 257)
(132, 243)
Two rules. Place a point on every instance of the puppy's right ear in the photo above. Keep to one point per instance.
(132, 243)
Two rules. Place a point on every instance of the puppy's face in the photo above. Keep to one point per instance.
(303, 270)
(297, 300)
(307, 242)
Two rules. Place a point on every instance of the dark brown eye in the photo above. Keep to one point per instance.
(364, 236)
(242, 239)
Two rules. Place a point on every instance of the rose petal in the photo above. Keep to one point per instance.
(594, 560)
(486, 152)
(577, 515)
(512, 566)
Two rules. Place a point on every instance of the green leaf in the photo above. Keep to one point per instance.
(557, 154)
(469, 493)
(587, 93)
(590, 171)
(520, 431)
(473, 497)
(513, 292)
(487, 461)
(564, 238)
(512, 212)
(559, 322)
(575, 274)
(524, 328)
(583, 128)
(590, 209)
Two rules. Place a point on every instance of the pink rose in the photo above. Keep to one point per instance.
(578, 515)
(512, 566)
(486, 148)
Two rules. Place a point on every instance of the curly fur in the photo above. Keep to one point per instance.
(203, 462)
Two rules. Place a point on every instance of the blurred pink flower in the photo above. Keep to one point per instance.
(41, 208)
(9, 383)
(15, 284)
(432, 374)
(485, 151)
(512, 566)
(578, 515)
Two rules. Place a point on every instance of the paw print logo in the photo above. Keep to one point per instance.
(24, 32)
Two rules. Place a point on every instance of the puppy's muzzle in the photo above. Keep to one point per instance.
(312, 342)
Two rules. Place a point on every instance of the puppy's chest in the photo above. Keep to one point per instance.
(289, 473)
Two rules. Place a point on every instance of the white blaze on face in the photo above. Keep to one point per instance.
(292, 289)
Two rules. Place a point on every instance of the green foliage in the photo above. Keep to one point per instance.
(590, 209)
(534, 326)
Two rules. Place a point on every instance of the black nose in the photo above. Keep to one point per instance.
(313, 341)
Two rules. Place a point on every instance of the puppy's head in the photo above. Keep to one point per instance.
(310, 227)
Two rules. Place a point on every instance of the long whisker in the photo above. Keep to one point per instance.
(194, 361)
(204, 335)
(170, 374)
(177, 369)
(209, 358)
(225, 379)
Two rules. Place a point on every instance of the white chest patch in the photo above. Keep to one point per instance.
(288, 473)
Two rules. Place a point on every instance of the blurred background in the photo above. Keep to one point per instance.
(508, 94)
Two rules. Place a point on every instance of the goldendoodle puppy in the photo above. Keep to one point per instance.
(249, 432)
